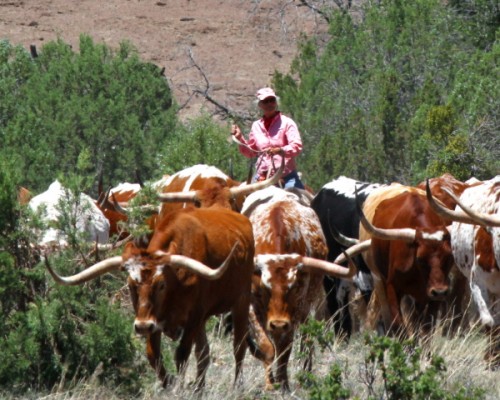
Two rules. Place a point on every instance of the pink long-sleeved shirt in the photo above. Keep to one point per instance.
(283, 132)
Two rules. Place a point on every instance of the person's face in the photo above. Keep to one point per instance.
(268, 105)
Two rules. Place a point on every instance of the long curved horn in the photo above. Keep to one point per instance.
(179, 261)
(251, 208)
(342, 239)
(339, 238)
(330, 268)
(181, 197)
(244, 190)
(103, 198)
(118, 207)
(445, 212)
(480, 218)
(406, 234)
(96, 270)
(353, 251)
(111, 246)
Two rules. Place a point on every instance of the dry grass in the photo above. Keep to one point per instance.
(463, 355)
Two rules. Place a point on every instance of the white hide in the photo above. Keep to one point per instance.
(347, 187)
(485, 286)
(126, 187)
(305, 225)
(263, 261)
(89, 219)
(191, 173)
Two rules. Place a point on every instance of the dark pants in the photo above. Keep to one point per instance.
(292, 180)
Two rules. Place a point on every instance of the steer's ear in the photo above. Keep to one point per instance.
(131, 250)
(172, 248)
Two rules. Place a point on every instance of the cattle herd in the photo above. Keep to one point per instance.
(391, 258)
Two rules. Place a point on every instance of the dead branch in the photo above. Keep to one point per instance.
(223, 111)
(341, 4)
(315, 9)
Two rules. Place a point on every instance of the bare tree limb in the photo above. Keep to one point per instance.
(221, 110)
(316, 9)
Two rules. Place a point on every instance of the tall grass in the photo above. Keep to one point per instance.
(463, 356)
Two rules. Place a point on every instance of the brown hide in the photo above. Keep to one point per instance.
(24, 196)
(177, 302)
(114, 215)
(283, 293)
(288, 237)
(214, 191)
(445, 181)
(456, 305)
(419, 268)
(483, 248)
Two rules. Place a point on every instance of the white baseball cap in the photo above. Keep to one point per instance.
(264, 93)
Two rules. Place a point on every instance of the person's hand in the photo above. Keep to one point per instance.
(236, 132)
(275, 150)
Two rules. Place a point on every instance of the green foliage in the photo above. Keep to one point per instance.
(203, 141)
(482, 19)
(65, 335)
(55, 335)
(112, 107)
(403, 376)
(443, 148)
(15, 253)
(317, 331)
(9, 178)
(365, 101)
(328, 388)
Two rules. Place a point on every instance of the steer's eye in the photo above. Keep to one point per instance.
(161, 285)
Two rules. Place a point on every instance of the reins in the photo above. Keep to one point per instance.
(258, 153)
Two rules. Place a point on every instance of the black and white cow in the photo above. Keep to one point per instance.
(335, 205)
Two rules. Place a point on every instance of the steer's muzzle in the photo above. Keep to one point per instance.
(438, 293)
(279, 326)
(144, 327)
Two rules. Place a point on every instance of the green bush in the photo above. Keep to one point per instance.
(110, 104)
(363, 99)
(404, 377)
(328, 388)
(201, 140)
(54, 335)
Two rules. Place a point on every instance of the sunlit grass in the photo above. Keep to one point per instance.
(463, 355)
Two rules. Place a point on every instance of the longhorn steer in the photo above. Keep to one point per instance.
(197, 177)
(186, 183)
(287, 285)
(175, 287)
(457, 303)
(335, 205)
(109, 203)
(475, 241)
(441, 185)
(410, 252)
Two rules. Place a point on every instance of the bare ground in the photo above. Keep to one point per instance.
(235, 44)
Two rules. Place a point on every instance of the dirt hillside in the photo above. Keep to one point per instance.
(228, 47)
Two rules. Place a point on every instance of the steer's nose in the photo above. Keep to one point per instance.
(279, 325)
(438, 293)
(144, 327)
